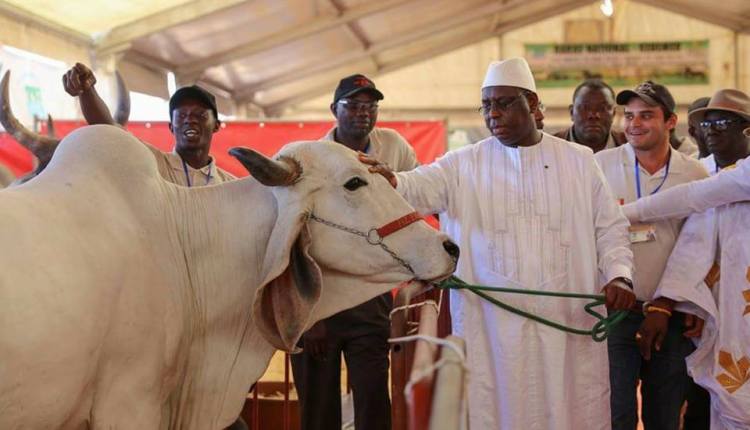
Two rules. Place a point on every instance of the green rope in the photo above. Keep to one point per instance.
(598, 332)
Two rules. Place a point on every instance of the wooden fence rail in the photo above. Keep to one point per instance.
(414, 403)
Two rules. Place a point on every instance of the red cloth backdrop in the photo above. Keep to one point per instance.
(427, 137)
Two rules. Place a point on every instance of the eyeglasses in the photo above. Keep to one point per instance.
(499, 105)
(719, 124)
(356, 106)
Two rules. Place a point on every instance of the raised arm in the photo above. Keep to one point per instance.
(729, 186)
(79, 82)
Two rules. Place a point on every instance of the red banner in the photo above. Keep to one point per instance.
(427, 137)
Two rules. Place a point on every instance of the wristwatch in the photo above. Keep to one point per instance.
(627, 282)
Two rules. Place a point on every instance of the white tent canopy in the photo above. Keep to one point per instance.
(270, 57)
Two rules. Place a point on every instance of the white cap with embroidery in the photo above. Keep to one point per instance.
(513, 72)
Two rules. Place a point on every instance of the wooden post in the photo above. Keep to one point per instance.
(449, 391)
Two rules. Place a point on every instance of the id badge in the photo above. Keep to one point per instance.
(642, 233)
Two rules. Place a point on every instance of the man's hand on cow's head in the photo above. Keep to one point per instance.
(378, 167)
(78, 80)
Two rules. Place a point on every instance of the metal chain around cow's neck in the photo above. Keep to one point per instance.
(372, 237)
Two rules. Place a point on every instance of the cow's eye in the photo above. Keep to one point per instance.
(354, 183)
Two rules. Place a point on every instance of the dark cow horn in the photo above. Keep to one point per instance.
(286, 171)
(122, 114)
(50, 127)
(41, 146)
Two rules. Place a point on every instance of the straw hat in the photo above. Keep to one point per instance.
(727, 100)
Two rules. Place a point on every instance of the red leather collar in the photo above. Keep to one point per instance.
(398, 224)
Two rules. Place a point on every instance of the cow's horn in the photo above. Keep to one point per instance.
(41, 146)
(122, 114)
(50, 127)
(285, 171)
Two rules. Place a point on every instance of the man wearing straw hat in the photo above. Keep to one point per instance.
(530, 211)
(708, 273)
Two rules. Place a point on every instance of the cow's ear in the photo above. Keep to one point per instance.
(284, 304)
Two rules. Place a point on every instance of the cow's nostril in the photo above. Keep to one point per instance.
(451, 248)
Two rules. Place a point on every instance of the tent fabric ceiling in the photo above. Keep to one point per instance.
(88, 18)
(277, 53)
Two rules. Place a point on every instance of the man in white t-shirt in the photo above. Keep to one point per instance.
(645, 165)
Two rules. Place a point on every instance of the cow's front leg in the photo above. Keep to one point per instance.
(129, 395)
(127, 413)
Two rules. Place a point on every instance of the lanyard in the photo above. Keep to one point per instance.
(187, 175)
(638, 177)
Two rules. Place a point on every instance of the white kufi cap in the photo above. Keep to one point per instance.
(513, 72)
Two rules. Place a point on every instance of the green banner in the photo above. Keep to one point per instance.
(619, 64)
(34, 101)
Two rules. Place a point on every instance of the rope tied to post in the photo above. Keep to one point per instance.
(420, 374)
(598, 332)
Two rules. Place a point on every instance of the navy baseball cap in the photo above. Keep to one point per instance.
(354, 84)
(193, 92)
(650, 92)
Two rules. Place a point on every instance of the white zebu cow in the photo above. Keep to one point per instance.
(131, 303)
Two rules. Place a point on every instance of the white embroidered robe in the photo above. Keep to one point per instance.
(539, 217)
(721, 363)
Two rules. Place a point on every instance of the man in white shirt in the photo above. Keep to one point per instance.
(646, 165)
(708, 273)
(722, 131)
(530, 211)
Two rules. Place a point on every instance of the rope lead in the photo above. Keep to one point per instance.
(598, 332)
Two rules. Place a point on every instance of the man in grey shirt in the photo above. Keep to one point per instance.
(361, 333)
